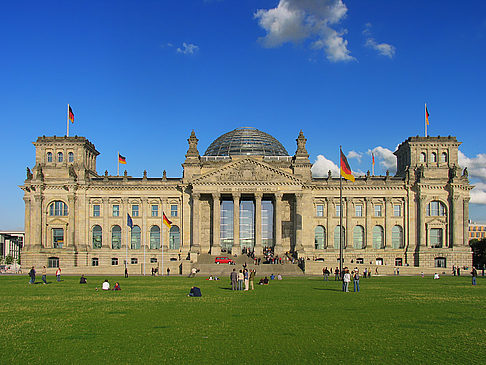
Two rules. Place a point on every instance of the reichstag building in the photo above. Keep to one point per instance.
(245, 191)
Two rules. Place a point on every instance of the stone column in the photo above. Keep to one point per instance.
(388, 227)
(106, 229)
(38, 222)
(258, 224)
(71, 228)
(143, 230)
(216, 246)
(27, 225)
(421, 222)
(348, 237)
(465, 218)
(279, 249)
(236, 224)
(329, 231)
(368, 229)
(454, 223)
(195, 222)
(299, 223)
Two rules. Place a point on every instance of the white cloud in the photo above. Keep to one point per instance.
(322, 166)
(188, 48)
(383, 49)
(356, 155)
(476, 168)
(299, 20)
(385, 158)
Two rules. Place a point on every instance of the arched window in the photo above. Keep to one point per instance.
(423, 157)
(320, 238)
(97, 237)
(49, 156)
(433, 157)
(397, 237)
(443, 157)
(378, 241)
(136, 235)
(154, 237)
(59, 157)
(71, 157)
(358, 237)
(116, 237)
(336, 237)
(174, 238)
(58, 208)
(436, 209)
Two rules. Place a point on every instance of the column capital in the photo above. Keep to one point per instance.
(216, 196)
(236, 195)
(278, 195)
(196, 195)
(258, 195)
(299, 195)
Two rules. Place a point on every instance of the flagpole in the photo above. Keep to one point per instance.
(340, 215)
(67, 125)
(162, 244)
(118, 164)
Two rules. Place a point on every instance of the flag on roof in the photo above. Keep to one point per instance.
(166, 221)
(122, 159)
(70, 114)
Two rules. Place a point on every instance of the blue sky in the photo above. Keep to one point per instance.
(141, 75)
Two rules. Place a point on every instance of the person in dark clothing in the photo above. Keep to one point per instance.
(32, 275)
(474, 274)
(83, 280)
(195, 292)
(126, 272)
(234, 279)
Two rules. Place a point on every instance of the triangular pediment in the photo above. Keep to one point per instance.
(248, 171)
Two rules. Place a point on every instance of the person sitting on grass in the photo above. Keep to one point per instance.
(265, 281)
(106, 285)
(117, 286)
(83, 280)
(195, 292)
(260, 282)
(436, 276)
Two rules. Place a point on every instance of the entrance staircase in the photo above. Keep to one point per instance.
(206, 266)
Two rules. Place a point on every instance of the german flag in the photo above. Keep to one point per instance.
(426, 115)
(122, 159)
(70, 114)
(345, 169)
(166, 221)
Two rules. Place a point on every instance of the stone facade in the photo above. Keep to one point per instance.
(77, 219)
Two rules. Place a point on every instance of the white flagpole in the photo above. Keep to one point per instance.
(162, 244)
(118, 163)
(67, 126)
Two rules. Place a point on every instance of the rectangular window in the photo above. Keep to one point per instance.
(114, 261)
(173, 210)
(116, 211)
(96, 210)
(359, 210)
(338, 210)
(153, 260)
(53, 262)
(134, 210)
(436, 237)
(134, 261)
(58, 237)
(155, 210)
(320, 210)
(94, 261)
(377, 210)
(397, 210)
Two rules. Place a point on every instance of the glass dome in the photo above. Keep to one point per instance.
(246, 141)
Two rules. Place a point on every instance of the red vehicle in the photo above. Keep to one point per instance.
(223, 260)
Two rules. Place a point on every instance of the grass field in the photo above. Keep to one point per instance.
(293, 321)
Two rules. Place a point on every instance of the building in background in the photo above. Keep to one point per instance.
(245, 193)
(477, 231)
(11, 244)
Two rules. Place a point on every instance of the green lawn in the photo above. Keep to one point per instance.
(294, 321)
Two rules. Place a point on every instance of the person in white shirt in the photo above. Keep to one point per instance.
(106, 285)
(346, 280)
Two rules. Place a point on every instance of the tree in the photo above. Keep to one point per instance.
(479, 252)
(9, 260)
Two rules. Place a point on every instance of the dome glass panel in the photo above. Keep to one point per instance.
(246, 141)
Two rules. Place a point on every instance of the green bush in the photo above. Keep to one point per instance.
(9, 260)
